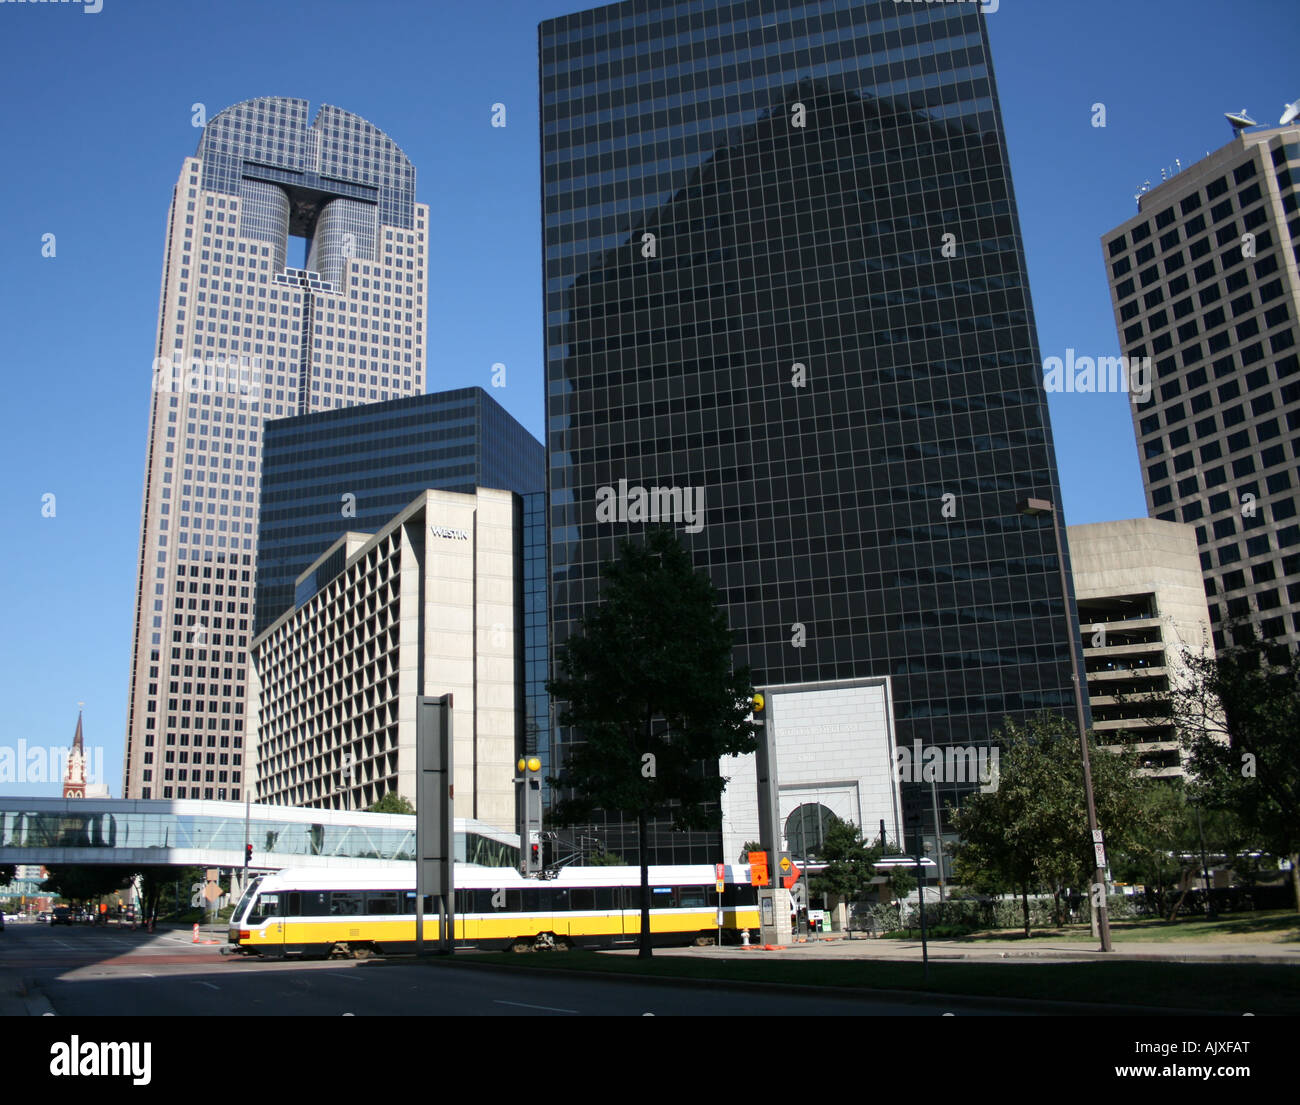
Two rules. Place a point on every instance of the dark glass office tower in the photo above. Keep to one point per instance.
(356, 467)
(784, 272)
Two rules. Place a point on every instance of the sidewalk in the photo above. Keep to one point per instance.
(993, 951)
(19, 996)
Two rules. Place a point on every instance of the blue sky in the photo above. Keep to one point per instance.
(97, 119)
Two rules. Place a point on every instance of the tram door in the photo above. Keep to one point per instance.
(271, 908)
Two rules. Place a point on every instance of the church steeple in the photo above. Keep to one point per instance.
(74, 781)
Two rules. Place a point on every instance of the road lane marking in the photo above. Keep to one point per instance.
(525, 1005)
(209, 985)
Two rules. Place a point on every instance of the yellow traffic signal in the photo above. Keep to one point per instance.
(758, 702)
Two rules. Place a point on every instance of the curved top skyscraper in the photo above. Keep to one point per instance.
(245, 333)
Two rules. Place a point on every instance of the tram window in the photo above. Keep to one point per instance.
(292, 904)
(559, 902)
(382, 901)
(315, 903)
(408, 903)
(692, 896)
(496, 901)
(582, 898)
(737, 895)
(266, 906)
(532, 900)
(607, 897)
(661, 897)
(345, 903)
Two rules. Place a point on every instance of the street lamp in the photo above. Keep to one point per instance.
(1033, 508)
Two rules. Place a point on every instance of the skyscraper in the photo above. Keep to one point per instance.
(1203, 281)
(787, 310)
(248, 332)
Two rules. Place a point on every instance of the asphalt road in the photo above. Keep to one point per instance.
(105, 972)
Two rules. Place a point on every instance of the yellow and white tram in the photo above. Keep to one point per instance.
(359, 912)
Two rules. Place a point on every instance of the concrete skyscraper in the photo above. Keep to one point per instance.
(246, 333)
(1204, 282)
(787, 303)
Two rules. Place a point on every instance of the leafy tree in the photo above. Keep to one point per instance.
(602, 858)
(749, 846)
(647, 682)
(1238, 716)
(7, 873)
(850, 864)
(391, 802)
(84, 883)
(1033, 830)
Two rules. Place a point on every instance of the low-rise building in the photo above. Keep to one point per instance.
(430, 604)
(1142, 608)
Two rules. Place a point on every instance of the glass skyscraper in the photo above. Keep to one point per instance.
(355, 468)
(245, 335)
(785, 286)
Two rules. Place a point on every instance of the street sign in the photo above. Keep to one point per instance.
(1101, 854)
(785, 865)
(758, 872)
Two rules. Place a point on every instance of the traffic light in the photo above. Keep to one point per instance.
(530, 813)
(248, 854)
(758, 708)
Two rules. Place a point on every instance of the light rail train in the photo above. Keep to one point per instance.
(360, 912)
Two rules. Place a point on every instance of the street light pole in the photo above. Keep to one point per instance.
(1034, 507)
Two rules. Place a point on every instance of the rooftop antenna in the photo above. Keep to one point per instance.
(1290, 115)
(1240, 120)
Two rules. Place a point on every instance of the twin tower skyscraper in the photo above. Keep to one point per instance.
(784, 279)
(244, 338)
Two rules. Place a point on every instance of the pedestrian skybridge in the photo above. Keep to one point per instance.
(139, 833)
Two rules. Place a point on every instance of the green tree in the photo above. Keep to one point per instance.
(7, 872)
(749, 846)
(1238, 716)
(647, 682)
(86, 882)
(1032, 831)
(392, 802)
(850, 864)
(602, 858)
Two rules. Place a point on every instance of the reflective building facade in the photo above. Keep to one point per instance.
(244, 337)
(784, 281)
(355, 468)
